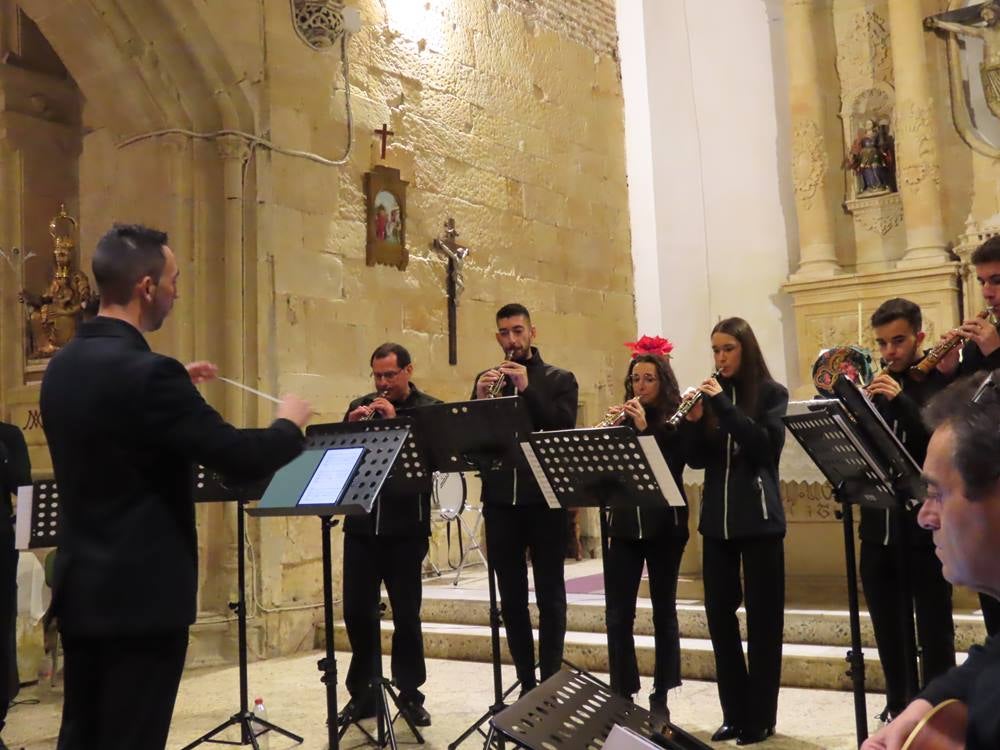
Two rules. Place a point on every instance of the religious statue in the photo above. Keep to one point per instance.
(448, 245)
(54, 315)
(872, 159)
(980, 21)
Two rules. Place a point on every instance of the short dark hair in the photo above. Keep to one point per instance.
(512, 310)
(988, 252)
(384, 350)
(976, 427)
(124, 255)
(898, 308)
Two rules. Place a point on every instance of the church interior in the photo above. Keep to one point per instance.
(335, 174)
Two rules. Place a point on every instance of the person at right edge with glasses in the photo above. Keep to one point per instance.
(736, 435)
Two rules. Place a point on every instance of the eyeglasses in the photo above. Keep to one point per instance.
(645, 379)
(388, 375)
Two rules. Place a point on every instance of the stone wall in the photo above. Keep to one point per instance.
(507, 117)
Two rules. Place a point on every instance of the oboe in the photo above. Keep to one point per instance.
(923, 368)
(371, 414)
(688, 403)
(497, 386)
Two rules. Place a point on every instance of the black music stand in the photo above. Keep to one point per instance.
(211, 486)
(407, 474)
(604, 468)
(37, 522)
(576, 711)
(867, 466)
(481, 435)
(380, 450)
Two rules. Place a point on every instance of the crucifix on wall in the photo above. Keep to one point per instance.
(447, 244)
(384, 134)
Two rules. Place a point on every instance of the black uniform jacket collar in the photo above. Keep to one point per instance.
(104, 327)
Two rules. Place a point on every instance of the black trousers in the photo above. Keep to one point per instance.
(991, 613)
(880, 577)
(8, 618)
(120, 690)
(370, 561)
(748, 689)
(626, 557)
(511, 531)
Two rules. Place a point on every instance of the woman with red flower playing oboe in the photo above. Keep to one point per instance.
(655, 538)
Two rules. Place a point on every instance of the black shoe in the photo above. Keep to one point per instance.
(415, 713)
(725, 732)
(753, 736)
(659, 714)
(355, 711)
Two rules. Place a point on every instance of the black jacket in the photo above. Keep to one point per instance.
(551, 398)
(125, 427)
(394, 514)
(740, 456)
(974, 361)
(977, 684)
(647, 523)
(15, 465)
(903, 416)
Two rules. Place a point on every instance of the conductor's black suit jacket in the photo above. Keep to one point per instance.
(125, 426)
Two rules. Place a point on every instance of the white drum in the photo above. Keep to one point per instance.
(448, 494)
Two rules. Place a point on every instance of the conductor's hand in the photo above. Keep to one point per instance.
(202, 372)
(895, 733)
(295, 409)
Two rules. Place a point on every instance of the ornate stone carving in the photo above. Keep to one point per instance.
(881, 214)
(865, 55)
(319, 23)
(915, 145)
(809, 160)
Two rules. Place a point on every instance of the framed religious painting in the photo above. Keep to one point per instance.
(385, 195)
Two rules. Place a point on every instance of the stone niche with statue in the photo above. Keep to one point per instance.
(53, 314)
(896, 159)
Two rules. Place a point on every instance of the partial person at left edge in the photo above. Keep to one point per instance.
(125, 427)
(15, 471)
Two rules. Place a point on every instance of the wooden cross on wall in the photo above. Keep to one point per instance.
(448, 245)
(384, 133)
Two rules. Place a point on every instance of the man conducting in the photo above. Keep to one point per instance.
(125, 427)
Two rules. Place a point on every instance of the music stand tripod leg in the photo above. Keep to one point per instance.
(856, 656)
(498, 691)
(244, 719)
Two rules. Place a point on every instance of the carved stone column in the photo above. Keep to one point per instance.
(815, 187)
(919, 171)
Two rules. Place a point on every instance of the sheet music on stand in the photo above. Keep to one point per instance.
(601, 465)
(409, 473)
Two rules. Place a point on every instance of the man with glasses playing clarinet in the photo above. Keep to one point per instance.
(387, 546)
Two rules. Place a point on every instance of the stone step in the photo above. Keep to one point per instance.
(585, 614)
(803, 665)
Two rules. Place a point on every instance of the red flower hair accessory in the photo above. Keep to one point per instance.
(650, 345)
